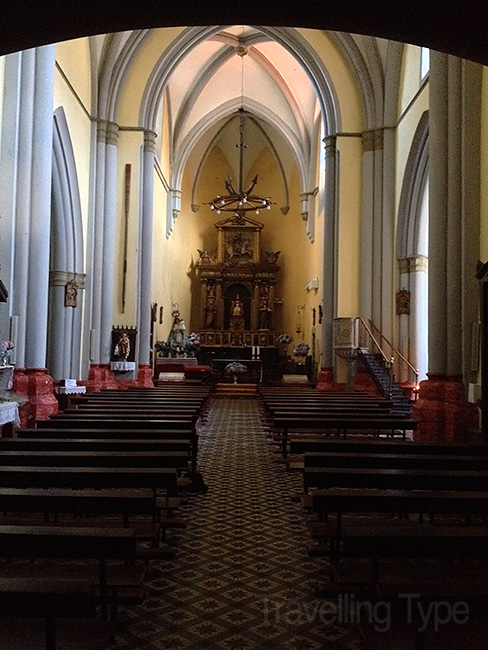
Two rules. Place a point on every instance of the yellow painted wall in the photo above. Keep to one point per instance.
(349, 210)
(161, 281)
(129, 147)
(132, 88)
(412, 103)
(351, 114)
(73, 59)
(163, 145)
(410, 76)
(72, 76)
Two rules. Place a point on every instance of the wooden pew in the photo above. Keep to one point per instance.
(387, 423)
(71, 542)
(89, 477)
(376, 500)
(139, 508)
(50, 502)
(301, 444)
(395, 461)
(60, 605)
(141, 411)
(118, 421)
(119, 428)
(159, 459)
(395, 479)
(113, 446)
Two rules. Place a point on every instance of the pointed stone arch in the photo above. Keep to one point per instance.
(66, 258)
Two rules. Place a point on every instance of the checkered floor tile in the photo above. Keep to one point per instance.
(241, 577)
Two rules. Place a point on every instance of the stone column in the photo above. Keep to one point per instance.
(418, 285)
(442, 409)
(366, 297)
(67, 320)
(100, 375)
(106, 322)
(325, 376)
(98, 241)
(144, 373)
(32, 229)
(26, 81)
(414, 278)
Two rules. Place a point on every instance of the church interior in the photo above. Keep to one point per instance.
(243, 297)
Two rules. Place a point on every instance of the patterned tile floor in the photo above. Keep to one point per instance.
(242, 577)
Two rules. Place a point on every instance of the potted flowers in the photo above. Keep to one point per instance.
(235, 369)
(193, 344)
(6, 349)
(284, 339)
(300, 350)
(162, 348)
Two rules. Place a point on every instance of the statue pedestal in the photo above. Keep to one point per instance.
(443, 412)
(236, 323)
(38, 387)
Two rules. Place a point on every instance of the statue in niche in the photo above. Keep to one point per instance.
(122, 348)
(264, 315)
(210, 316)
(237, 307)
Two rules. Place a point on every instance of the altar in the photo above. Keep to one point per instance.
(237, 288)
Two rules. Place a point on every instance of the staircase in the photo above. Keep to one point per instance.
(387, 386)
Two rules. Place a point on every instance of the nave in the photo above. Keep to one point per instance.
(241, 577)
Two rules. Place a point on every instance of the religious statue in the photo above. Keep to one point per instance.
(264, 315)
(271, 257)
(210, 316)
(71, 294)
(237, 307)
(122, 347)
(178, 336)
(206, 257)
(179, 332)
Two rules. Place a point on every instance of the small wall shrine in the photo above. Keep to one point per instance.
(237, 287)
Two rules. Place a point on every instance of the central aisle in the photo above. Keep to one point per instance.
(241, 577)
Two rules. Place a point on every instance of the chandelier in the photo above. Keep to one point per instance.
(239, 201)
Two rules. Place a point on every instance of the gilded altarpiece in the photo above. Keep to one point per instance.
(237, 284)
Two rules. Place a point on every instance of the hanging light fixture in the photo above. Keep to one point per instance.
(241, 200)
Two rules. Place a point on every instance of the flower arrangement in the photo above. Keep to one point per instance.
(162, 346)
(300, 350)
(193, 343)
(284, 338)
(6, 348)
(235, 368)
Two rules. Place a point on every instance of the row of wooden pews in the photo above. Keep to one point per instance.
(395, 518)
(87, 497)
(303, 410)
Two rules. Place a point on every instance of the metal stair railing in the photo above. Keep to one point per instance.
(368, 343)
(396, 353)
